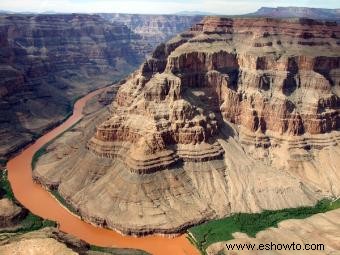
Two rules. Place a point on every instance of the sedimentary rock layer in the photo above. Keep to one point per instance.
(235, 115)
(182, 93)
(46, 61)
(153, 29)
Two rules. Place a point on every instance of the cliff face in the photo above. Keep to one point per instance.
(233, 115)
(154, 29)
(46, 61)
(264, 75)
(283, 83)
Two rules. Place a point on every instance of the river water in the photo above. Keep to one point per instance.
(40, 202)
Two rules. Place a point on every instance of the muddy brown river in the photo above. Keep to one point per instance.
(40, 202)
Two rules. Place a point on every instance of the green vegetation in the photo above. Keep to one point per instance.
(5, 187)
(38, 154)
(41, 152)
(30, 222)
(116, 251)
(56, 194)
(71, 106)
(221, 230)
(43, 149)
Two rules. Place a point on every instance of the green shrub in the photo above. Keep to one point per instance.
(5, 186)
(222, 230)
(31, 222)
(56, 194)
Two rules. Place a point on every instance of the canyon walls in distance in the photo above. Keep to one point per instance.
(47, 61)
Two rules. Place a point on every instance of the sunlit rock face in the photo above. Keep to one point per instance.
(261, 74)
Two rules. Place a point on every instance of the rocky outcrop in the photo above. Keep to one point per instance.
(321, 229)
(51, 241)
(46, 61)
(235, 115)
(10, 214)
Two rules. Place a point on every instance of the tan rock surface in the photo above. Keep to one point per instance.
(233, 116)
(50, 241)
(318, 229)
(38, 246)
(153, 29)
(9, 213)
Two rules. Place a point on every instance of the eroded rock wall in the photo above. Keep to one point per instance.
(47, 61)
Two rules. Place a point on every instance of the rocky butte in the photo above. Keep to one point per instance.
(234, 115)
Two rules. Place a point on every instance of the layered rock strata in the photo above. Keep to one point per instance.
(235, 115)
(47, 61)
(182, 92)
(153, 29)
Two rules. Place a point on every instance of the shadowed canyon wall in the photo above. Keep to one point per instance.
(47, 61)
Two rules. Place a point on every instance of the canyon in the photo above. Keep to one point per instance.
(233, 115)
(153, 29)
(48, 61)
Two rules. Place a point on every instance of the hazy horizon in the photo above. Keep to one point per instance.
(156, 6)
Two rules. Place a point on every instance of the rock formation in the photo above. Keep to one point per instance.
(10, 213)
(322, 229)
(46, 61)
(50, 241)
(153, 29)
(235, 115)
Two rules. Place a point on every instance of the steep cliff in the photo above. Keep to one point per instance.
(46, 61)
(233, 115)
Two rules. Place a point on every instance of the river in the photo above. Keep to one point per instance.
(40, 202)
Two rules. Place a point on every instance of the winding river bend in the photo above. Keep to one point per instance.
(40, 202)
